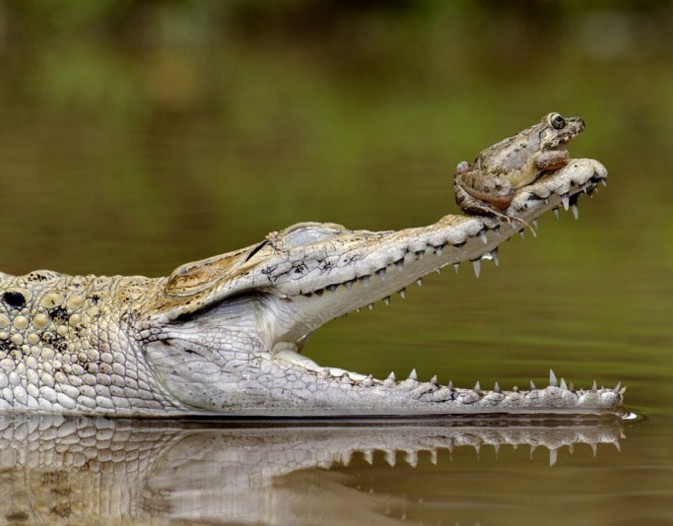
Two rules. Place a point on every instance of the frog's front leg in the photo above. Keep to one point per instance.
(552, 160)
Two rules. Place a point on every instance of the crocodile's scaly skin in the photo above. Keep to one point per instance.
(224, 335)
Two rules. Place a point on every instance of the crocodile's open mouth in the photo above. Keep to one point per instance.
(247, 321)
(473, 240)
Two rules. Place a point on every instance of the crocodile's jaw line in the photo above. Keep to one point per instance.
(250, 363)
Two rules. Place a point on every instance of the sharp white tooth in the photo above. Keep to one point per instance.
(565, 199)
(358, 309)
(477, 387)
(370, 306)
(552, 378)
(594, 386)
(563, 385)
(534, 223)
(365, 280)
(482, 236)
(403, 293)
(439, 249)
(392, 376)
(413, 375)
(419, 282)
(381, 273)
(496, 387)
(450, 385)
(331, 288)
(412, 458)
(433, 380)
(604, 182)
(556, 213)
(349, 284)
(390, 457)
(456, 267)
(617, 388)
(386, 300)
(494, 256)
(476, 265)
(575, 211)
(515, 389)
(532, 386)
(553, 457)
(399, 263)
(368, 456)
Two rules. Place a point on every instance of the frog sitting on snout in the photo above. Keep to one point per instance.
(488, 185)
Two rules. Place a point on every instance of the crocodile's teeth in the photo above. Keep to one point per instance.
(419, 282)
(439, 249)
(594, 386)
(617, 388)
(482, 236)
(331, 288)
(522, 234)
(552, 378)
(399, 264)
(450, 384)
(365, 280)
(563, 385)
(433, 380)
(556, 213)
(496, 387)
(413, 375)
(477, 388)
(565, 199)
(370, 306)
(381, 273)
(553, 457)
(604, 182)
(534, 223)
(476, 265)
(532, 386)
(575, 211)
(386, 300)
(392, 376)
(456, 267)
(495, 257)
(403, 293)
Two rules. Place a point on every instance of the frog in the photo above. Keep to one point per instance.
(488, 185)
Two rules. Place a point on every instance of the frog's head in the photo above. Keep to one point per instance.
(557, 131)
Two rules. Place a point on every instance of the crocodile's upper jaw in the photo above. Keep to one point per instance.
(245, 315)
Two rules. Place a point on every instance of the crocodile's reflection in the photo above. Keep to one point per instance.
(55, 470)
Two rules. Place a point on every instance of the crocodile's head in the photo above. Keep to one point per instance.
(226, 333)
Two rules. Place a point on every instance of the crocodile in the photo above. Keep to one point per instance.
(224, 335)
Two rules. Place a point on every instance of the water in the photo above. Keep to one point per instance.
(137, 137)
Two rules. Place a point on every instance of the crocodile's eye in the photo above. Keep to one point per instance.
(557, 121)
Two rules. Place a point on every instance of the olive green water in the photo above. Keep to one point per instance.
(137, 136)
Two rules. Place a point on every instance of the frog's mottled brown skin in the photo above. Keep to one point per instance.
(224, 335)
(488, 185)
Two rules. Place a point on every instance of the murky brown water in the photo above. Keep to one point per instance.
(136, 137)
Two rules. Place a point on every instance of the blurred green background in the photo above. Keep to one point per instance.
(138, 135)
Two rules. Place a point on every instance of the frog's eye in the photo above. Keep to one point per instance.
(557, 121)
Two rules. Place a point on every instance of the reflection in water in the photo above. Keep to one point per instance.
(60, 471)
